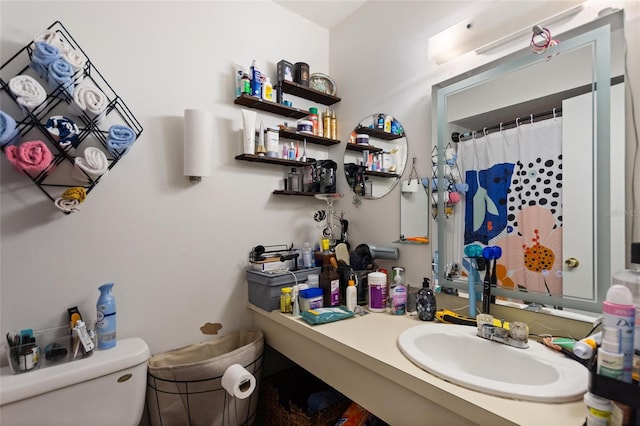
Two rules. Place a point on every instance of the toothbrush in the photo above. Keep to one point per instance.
(486, 289)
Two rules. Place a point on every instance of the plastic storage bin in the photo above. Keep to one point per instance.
(264, 287)
(184, 386)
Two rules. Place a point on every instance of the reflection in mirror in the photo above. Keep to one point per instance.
(536, 153)
(414, 205)
(375, 157)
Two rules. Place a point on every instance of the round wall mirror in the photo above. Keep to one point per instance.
(375, 156)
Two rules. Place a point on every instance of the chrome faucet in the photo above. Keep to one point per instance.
(516, 335)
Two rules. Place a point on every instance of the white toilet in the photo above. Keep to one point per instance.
(107, 388)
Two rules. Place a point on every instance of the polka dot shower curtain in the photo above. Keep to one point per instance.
(514, 201)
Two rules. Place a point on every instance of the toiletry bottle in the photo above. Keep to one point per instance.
(598, 410)
(330, 282)
(294, 180)
(398, 292)
(256, 84)
(295, 302)
(313, 117)
(285, 299)
(387, 123)
(246, 84)
(334, 126)
(307, 256)
(267, 90)
(610, 357)
(352, 295)
(619, 312)
(326, 124)
(106, 317)
(630, 278)
(426, 302)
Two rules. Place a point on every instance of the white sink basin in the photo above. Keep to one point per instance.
(455, 353)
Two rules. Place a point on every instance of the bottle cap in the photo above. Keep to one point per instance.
(313, 110)
(352, 283)
(620, 295)
(286, 290)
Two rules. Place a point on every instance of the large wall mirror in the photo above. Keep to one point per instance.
(375, 156)
(539, 140)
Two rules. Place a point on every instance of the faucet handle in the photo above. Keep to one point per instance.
(519, 331)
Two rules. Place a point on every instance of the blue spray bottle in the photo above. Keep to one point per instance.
(106, 318)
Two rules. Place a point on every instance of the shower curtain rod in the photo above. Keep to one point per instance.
(556, 112)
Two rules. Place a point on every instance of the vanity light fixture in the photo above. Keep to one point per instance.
(490, 29)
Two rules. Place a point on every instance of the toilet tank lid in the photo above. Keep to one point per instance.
(126, 354)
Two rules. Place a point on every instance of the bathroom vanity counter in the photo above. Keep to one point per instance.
(359, 357)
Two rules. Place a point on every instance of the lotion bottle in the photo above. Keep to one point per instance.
(106, 317)
(610, 357)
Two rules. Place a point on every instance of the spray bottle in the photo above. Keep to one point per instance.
(106, 318)
(619, 312)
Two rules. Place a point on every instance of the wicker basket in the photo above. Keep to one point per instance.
(280, 408)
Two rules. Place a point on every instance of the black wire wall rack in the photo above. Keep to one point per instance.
(31, 124)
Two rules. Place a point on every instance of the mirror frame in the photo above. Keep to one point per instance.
(600, 39)
(380, 175)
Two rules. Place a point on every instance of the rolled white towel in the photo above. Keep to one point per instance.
(77, 60)
(90, 101)
(54, 38)
(29, 94)
(93, 163)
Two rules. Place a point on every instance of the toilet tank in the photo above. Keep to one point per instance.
(107, 388)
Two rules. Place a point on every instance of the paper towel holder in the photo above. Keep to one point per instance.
(197, 144)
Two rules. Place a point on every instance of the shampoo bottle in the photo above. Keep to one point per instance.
(426, 302)
(630, 278)
(619, 312)
(106, 317)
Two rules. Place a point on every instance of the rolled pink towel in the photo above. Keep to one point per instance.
(29, 157)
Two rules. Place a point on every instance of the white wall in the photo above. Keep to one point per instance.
(176, 252)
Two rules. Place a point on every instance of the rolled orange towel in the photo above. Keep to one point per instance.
(30, 157)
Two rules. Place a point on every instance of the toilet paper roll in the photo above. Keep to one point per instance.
(198, 143)
(238, 382)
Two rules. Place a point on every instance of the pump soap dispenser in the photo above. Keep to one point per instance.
(106, 317)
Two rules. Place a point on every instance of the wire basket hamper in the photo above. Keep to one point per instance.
(184, 386)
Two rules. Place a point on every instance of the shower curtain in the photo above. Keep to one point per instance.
(514, 201)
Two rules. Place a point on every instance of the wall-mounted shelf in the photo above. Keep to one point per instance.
(381, 174)
(306, 194)
(290, 133)
(308, 93)
(360, 148)
(375, 133)
(272, 160)
(269, 106)
(53, 181)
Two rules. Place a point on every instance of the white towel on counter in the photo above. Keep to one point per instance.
(93, 163)
(90, 101)
(29, 94)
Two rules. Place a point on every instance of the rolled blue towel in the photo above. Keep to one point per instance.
(61, 74)
(9, 133)
(120, 139)
(43, 55)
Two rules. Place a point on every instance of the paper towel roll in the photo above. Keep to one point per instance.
(238, 382)
(198, 141)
